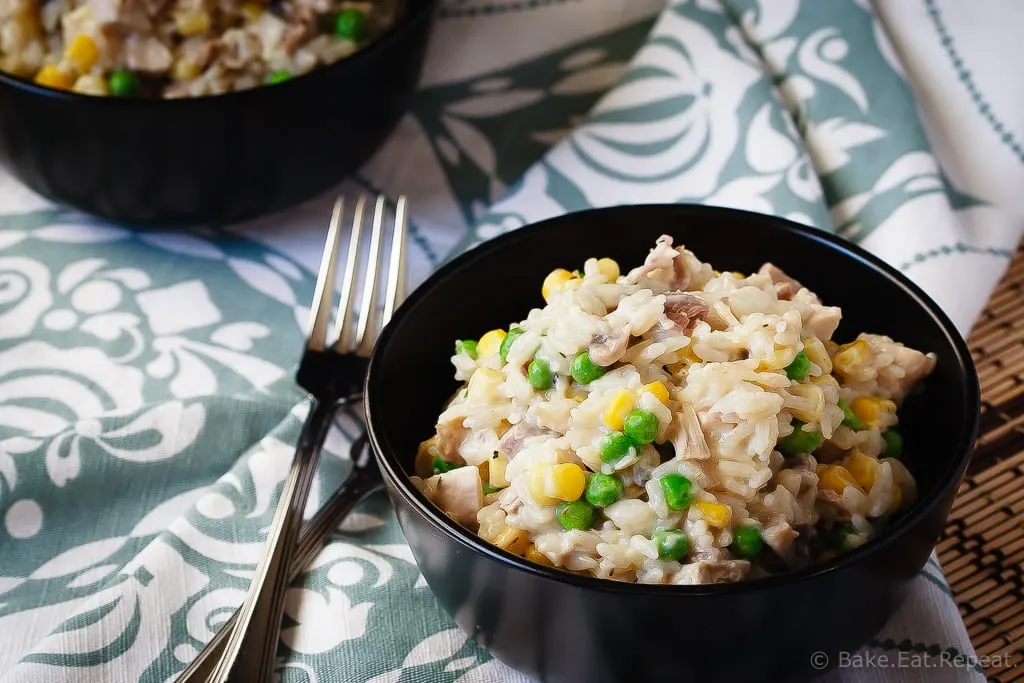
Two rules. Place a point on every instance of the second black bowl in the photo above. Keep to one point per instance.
(213, 159)
(567, 628)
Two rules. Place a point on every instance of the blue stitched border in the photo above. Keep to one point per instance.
(964, 75)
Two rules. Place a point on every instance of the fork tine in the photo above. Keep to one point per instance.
(396, 266)
(343, 323)
(368, 310)
(323, 292)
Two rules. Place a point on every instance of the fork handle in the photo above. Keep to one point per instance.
(251, 650)
(363, 480)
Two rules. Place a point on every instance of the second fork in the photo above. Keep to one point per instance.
(332, 371)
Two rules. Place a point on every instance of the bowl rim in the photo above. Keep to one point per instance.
(416, 8)
(399, 482)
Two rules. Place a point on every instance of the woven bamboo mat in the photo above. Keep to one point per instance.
(983, 548)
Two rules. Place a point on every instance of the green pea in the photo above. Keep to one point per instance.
(746, 542)
(506, 343)
(893, 444)
(441, 466)
(672, 544)
(575, 515)
(837, 537)
(488, 489)
(850, 418)
(603, 490)
(678, 491)
(540, 375)
(351, 24)
(614, 446)
(465, 347)
(123, 83)
(799, 368)
(799, 441)
(279, 77)
(641, 426)
(584, 370)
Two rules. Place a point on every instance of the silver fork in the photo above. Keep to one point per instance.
(332, 373)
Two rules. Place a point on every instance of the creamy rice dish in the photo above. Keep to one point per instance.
(181, 48)
(674, 424)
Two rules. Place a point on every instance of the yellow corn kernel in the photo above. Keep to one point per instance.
(864, 469)
(776, 360)
(897, 498)
(53, 77)
(618, 408)
(516, 541)
(872, 410)
(184, 70)
(82, 52)
(536, 481)
(808, 403)
(536, 556)
(251, 11)
(490, 343)
(497, 478)
(715, 514)
(737, 275)
(836, 478)
(852, 360)
(90, 84)
(659, 390)
(556, 281)
(609, 268)
(483, 385)
(192, 22)
(565, 481)
(817, 354)
(688, 357)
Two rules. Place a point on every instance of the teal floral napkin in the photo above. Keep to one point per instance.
(147, 410)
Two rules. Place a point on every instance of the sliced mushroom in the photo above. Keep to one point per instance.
(607, 349)
(684, 309)
(512, 442)
(459, 493)
(687, 437)
(703, 571)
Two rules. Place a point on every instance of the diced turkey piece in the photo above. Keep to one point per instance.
(660, 258)
(147, 54)
(785, 286)
(450, 436)
(684, 309)
(607, 349)
(126, 17)
(686, 435)
(915, 364)
(459, 493)
(702, 572)
(779, 536)
(822, 321)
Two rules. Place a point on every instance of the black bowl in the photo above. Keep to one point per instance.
(567, 628)
(213, 159)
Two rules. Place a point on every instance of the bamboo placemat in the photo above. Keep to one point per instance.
(983, 548)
